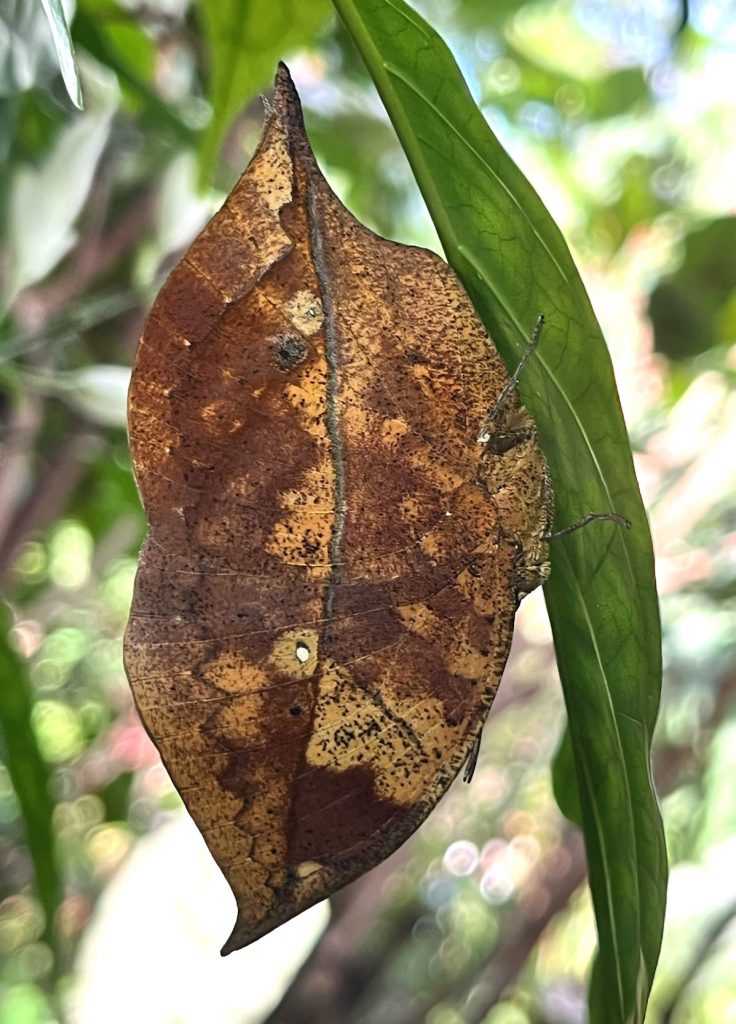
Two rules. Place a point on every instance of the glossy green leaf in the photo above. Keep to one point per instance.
(564, 781)
(27, 54)
(244, 42)
(29, 773)
(56, 18)
(45, 200)
(122, 46)
(601, 595)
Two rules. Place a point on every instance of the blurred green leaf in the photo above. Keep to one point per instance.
(128, 51)
(127, 37)
(45, 201)
(64, 49)
(29, 774)
(695, 308)
(513, 80)
(181, 211)
(244, 42)
(615, 93)
(342, 140)
(601, 594)
(26, 52)
(98, 392)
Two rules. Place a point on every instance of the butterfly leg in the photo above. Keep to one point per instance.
(509, 389)
(592, 517)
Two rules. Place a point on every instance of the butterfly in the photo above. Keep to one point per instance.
(338, 533)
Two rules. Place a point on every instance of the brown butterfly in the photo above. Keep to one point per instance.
(325, 599)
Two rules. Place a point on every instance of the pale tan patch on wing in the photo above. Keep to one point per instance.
(252, 886)
(295, 653)
(241, 486)
(211, 804)
(331, 713)
(308, 398)
(234, 674)
(351, 729)
(409, 508)
(305, 312)
(420, 620)
(436, 473)
(435, 741)
(320, 572)
(315, 491)
(239, 725)
(185, 750)
(432, 546)
(301, 538)
(153, 431)
(240, 721)
(215, 531)
(420, 371)
(307, 868)
(465, 660)
(273, 178)
(357, 422)
(302, 535)
(221, 416)
(392, 430)
(269, 801)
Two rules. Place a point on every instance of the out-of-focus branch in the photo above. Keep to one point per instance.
(24, 514)
(344, 963)
(684, 17)
(559, 875)
(16, 449)
(672, 763)
(96, 253)
(700, 954)
(50, 495)
(546, 892)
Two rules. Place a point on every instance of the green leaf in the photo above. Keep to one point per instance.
(244, 41)
(564, 781)
(27, 55)
(601, 593)
(123, 46)
(45, 201)
(64, 49)
(29, 774)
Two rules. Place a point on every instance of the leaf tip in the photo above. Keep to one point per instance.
(285, 98)
(287, 108)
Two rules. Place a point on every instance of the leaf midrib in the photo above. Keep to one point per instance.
(593, 802)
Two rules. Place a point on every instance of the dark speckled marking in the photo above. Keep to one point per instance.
(289, 350)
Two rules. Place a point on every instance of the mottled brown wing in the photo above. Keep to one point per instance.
(325, 600)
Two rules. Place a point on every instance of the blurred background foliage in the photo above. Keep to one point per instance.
(110, 910)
